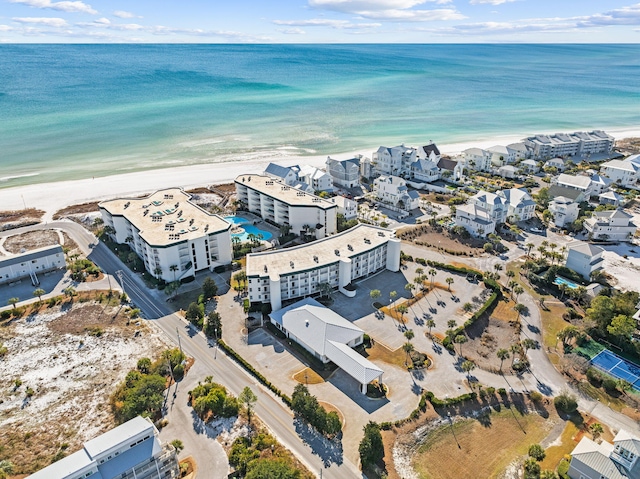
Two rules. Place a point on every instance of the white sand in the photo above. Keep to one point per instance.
(51, 197)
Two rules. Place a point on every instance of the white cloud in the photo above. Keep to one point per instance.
(490, 2)
(123, 14)
(49, 22)
(64, 6)
(325, 22)
(106, 23)
(5, 28)
(621, 16)
(197, 32)
(390, 10)
(289, 31)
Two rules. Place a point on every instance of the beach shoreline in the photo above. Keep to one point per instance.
(52, 197)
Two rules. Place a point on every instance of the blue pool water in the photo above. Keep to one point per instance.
(561, 281)
(248, 228)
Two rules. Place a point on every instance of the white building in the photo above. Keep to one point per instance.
(328, 336)
(130, 451)
(393, 191)
(592, 460)
(31, 264)
(475, 219)
(569, 144)
(477, 159)
(529, 166)
(287, 174)
(394, 161)
(502, 155)
(610, 198)
(429, 152)
(599, 184)
(584, 258)
(520, 150)
(453, 166)
(494, 204)
(425, 171)
(346, 207)
(169, 232)
(345, 173)
(283, 275)
(613, 225)
(508, 171)
(564, 210)
(557, 163)
(579, 183)
(318, 179)
(274, 201)
(622, 172)
(520, 205)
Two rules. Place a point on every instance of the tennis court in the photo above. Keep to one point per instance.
(617, 367)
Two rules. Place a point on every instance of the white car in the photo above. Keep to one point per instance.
(537, 230)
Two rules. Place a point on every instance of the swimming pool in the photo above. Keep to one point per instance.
(562, 281)
(248, 228)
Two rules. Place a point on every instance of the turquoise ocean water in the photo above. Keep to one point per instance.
(77, 111)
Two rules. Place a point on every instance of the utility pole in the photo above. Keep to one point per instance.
(179, 342)
(215, 351)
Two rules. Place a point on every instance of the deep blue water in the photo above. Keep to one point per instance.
(76, 111)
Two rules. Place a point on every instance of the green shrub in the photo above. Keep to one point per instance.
(502, 391)
(594, 377)
(609, 384)
(565, 402)
(535, 396)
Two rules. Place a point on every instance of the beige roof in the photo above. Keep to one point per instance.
(171, 207)
(360, 238)
(280, 191)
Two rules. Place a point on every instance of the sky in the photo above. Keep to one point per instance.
(319, 21)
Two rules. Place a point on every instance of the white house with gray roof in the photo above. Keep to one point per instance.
(557, 163)
(477, 159)
(623, 172)
(493, 203)
(574, 182)
(564, 210)
(590, 460)
(520, 205)
(318, 179)
(584, 258)
(393, 191)
(612, 225)
(345, 173)
(130, 451)
(475, 219)
(287, 174)
(328, 336)
(394, 161)
(31, 264)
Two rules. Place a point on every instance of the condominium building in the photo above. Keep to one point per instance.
(281, 204)
(130, 451)
(173, 236)
(569, 144)
(279, 276)
(31, 264)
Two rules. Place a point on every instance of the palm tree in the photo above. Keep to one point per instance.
(392, 296)
(502, 355)
(407, 348)
(596, 430)
(431, 324)
(451, 323)
(567, 334)
(518, 291)
(515, 349)
(69, 291)
(510, 274)
(419, 271)
(460, 339)
(432, 273)
(375, 294)
(497, 267)
(449, 282)
(467, 367)
(410, 287)
(39, 292)
(157, 271)
(409, 334)
(529, 344)
(173, 268)
(529, 248)
(519, 308)
(13, 301)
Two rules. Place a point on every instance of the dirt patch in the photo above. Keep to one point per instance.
(15, 219)
(379, 352)
(628, 146)
(486, 336)
(441, 239)
(83, 208)
(31, 240)
(225, 188)
(308, 376)
(68, 359)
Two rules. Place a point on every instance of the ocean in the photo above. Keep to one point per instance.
(81, 111)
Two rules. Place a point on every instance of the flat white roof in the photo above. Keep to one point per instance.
(282, 192)
(118, 435)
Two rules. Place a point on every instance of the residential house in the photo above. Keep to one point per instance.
(622, 172)
(366, 169)
(132, 450)
(579, 183)
(174, 237)
(529, 166)
(475, 219)
(318, 179)
(520, 205)
(584, 258)
(592, 460)
(281, 204)
(393, 191)
(286, 174)
(454, 168)
(346, 173)
(394, 161)
(477, 159)
(494, 204)
(576, 195)
(31, 263)
(564, 210)
(327, 336)
(520, 150)
(283, 275)
(501, 155)
(346, 207)
(599, 184)
(610, 198)
(429, 152)
(508, 171)
(424, 170)
(612, 225)
(557, 163)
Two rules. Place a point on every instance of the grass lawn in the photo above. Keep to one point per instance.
(378, 351)
(308, 376)
(565, 445)
(183, 300)
(498, 433)
(504, 311)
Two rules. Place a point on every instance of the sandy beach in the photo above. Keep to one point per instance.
(52, 197)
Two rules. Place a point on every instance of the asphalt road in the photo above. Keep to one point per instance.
(322, 457)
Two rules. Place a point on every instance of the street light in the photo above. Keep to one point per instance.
(215, 351)
(179, 343)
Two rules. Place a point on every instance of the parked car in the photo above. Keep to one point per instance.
(537, 230)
